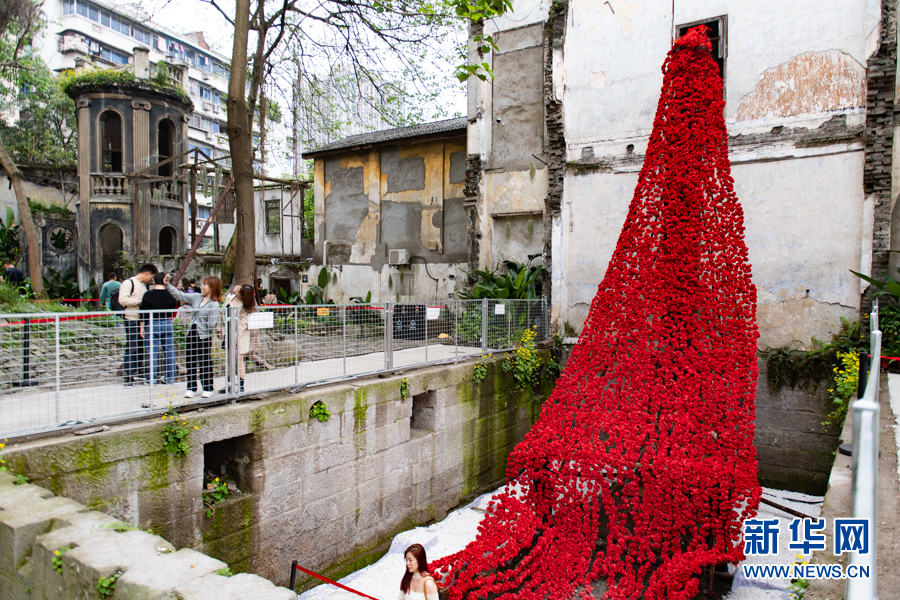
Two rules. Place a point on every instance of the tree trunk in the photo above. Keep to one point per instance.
(31, 236)
(240, 142)
(228, 259)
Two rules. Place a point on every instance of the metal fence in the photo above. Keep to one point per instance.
(866, 415)
(63, 369)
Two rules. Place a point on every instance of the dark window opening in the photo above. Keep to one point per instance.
(273, 216)
(167, 240)
(231, 461)
(165, 142)
(424, 413)
(280, 287)
(718, 31)
(111, 140)
(111, 239)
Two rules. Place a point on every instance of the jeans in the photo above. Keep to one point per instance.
(163, 342)
(199, 363)
(135, 349)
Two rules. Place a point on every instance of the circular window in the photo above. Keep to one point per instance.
(61, 239)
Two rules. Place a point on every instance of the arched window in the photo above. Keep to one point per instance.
(111, 142)
(167, 240)
(111, 238)
(165, 143)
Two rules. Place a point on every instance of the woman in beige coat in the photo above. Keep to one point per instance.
(245, 301)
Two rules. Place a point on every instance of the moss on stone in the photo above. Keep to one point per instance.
(360, 407)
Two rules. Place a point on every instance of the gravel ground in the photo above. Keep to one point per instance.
(382, 579)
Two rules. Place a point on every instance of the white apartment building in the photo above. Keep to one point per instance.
(106, 35)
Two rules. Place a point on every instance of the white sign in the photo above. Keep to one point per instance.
(432, 313)
(499, 309)
(261, 320)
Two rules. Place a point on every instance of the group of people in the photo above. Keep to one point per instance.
(150, 304)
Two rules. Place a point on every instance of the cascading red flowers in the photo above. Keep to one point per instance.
(641, 467)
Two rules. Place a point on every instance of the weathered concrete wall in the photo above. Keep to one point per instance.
(35, 525)
(795, 450)
(509, 119)
(403, 196)
(325, 494)
(807, 216)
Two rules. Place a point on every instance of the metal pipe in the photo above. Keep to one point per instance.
(325, 254)
(58, 417)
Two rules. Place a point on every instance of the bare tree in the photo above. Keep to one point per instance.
(20, 21)
(367, 37)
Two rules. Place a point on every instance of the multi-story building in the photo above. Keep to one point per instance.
(106, 34)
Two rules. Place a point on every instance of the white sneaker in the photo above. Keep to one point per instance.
(206, 394)
(189, 394)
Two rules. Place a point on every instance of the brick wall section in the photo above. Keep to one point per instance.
(554, 39)
(880, 81)
(34, 524)
(330, 495)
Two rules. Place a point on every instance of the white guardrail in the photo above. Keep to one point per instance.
(866, 414)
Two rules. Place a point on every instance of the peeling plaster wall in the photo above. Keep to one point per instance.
(399, 196)
(807, 218)
(509, 131)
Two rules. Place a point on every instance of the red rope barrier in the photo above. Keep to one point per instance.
(326, 580)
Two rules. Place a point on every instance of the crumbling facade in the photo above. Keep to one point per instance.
(395, 190)
(563, 127)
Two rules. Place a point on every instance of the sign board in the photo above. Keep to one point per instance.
(432, 313)
(322, 312)
(499, 309)
(261, 320)
(304, 278)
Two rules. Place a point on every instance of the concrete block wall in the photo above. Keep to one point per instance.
(795, 451)
(35, 524)
(330, 495)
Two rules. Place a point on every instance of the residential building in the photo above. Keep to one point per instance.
(389, 213)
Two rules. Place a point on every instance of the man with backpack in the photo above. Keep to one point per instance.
(131, 292)
(109, 291)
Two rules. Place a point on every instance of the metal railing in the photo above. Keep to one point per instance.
(59, 370)
(866, 415)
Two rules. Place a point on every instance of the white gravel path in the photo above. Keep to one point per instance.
(382, 579)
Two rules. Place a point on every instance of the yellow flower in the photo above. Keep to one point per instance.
(56, 552)
(217, 478)
(196, 427)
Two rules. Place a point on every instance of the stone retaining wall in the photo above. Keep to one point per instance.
(330, 495)
(35, 525)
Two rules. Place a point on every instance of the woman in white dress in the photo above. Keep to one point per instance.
(417, 584)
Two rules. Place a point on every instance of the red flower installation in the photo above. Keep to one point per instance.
(641, 467)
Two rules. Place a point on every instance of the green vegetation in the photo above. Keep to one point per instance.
(319, 411)
(107, 585)
(404, 389)
(51, 209)
(71, 82)
(225, 572)
(524, 364)
(57, 558)
(846, 382)
(9, 238)
(217, 493)
(520, 281)
(175, 435)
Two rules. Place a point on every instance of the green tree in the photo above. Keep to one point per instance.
(45, 131)
(20, 22)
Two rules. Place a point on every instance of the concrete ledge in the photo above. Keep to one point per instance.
(35, 524)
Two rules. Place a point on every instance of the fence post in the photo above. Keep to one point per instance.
(58, 419)
(863, 373)
(484, 324)
(26, 380)
(154, 363)
(296, 312)
(293, 575)
(231, 345)
(344, 312)
(388, 336)
(426, 332)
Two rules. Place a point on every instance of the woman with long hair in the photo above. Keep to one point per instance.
(243, 299)
(417, 583)
(205, 309)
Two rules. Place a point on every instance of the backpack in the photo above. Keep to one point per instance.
(114, 303)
